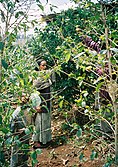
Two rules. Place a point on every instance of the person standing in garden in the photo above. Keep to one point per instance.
(42, 121)
(19, 122)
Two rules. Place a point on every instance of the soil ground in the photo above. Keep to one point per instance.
(65, 150)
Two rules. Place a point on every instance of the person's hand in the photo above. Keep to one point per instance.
(38, 109)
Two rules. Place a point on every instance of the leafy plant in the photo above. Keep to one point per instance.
(76, 61)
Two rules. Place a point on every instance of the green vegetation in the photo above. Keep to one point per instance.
(75, 62)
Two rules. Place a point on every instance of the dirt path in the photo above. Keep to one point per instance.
(65, 155)
(63, 151)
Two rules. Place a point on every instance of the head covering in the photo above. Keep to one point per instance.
(39, 61)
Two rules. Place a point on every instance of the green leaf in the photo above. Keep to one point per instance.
(2, 16)
(4, 130)
(18, 142)
(9, 141)
(113, 60)
(1, 139)
(27, 131)
(93, 155)
(99, 86)
(35, 161)
(107, 165)
(1, 45)
(79, 132)
(22, 82)
(2, 156)
(41, 7)
(68, 55)
(38, 151)
(38, 1)
(19, 13)
(61, 103)
(34, 155)
(81, 156)
(0, 119)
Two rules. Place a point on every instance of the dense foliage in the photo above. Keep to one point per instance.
(80, 72)
(69, 44)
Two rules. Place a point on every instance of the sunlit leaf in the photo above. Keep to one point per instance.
(114, 49)
(67, 56)
(61, 103)
(83, 103)
(103, 51)
(86, 94)
(99, 86)
(22, 82)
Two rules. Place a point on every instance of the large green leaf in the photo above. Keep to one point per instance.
(34, 155)
(41, 7)
(38, 151)
(0, 120)
(93, 155)
(79, 132)
(9, 141)
(4, 64)
(1, 45)
(4, 130)
(18, 14)
(27, 131)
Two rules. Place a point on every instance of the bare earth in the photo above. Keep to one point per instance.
(64, 152)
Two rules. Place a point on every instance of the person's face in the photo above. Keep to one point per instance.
(42, 65)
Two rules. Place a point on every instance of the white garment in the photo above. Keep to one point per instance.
(43, 128)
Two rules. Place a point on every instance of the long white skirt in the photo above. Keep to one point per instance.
(43, 128)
